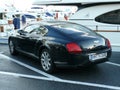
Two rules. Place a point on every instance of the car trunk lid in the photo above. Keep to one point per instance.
(89, 42)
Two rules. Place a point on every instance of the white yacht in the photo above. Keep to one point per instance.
(102, 16)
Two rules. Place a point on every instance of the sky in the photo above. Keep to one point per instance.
(17, 3)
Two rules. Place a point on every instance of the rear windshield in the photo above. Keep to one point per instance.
(73, 28)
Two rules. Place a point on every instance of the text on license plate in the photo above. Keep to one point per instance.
(97, 56)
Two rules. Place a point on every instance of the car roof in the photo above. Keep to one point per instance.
(50, 22)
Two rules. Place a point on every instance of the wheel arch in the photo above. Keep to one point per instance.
(12, 49)
(9, 39)
(41, 49)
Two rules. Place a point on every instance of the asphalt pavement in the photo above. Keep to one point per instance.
(24, 73)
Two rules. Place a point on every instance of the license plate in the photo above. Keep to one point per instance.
(97, 56)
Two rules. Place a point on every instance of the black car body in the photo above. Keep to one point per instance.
(61, 43)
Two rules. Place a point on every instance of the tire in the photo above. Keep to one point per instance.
(47, 61)
(12, 48)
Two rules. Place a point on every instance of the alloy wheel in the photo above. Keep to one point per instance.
(11, 46)
(46, 60)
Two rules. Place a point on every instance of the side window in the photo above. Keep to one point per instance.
(41, 30)
(112, 17)
(37, 30)
(30, 28)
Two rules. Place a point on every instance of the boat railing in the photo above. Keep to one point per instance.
(105, 28)
(112, 32)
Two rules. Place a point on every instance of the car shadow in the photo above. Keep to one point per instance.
(80, 74)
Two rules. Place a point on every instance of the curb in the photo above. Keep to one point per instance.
(3, 41)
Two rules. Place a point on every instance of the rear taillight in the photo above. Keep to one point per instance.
(108, 43)
(73, 48)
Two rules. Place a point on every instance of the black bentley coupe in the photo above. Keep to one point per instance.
(60, 43)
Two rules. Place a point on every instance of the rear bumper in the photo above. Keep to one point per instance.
(82, 59)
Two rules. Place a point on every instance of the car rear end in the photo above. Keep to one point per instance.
(84, 46)
(89, 50)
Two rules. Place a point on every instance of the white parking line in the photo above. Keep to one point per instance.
(53, 78)
(24, 75)
(61, 81)
(115, 64)
(29, 67)
(91, 84)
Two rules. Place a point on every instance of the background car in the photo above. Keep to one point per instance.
(56, 43)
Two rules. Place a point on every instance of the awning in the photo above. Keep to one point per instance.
(29, 16)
